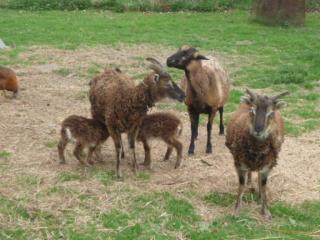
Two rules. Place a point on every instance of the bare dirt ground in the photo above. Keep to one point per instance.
(30, 125)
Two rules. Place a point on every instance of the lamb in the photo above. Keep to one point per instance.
(165, 126)
(8, 81)
(254, 137)
(84, 132)
(206, 85)
(122, 105)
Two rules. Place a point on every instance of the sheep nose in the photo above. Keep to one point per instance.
(170, 62)
(258, 130)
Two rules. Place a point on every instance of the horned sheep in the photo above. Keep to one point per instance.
(207, 89)
(254, 137)
(122, 105)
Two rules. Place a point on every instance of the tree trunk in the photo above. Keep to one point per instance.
(285, 12)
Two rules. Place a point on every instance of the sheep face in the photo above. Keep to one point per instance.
(162, 86)
(262, 113)
(183, 57)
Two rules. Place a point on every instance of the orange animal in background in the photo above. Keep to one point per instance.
(8, 80)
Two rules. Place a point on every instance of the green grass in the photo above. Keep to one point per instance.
(69, 176)
(5, 154)
(159, 216)
(51, 144)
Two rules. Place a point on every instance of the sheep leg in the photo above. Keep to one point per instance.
(90, 153)
(221, 126)
(251, 187)
(209, 129)
(98, 154)
(122, 150)
(131, 139)
(77, 152)
(168, 153)
(147, 155)
(178, 146)
(262, 189)
(61, 147)
(194, 118)
(242, 174)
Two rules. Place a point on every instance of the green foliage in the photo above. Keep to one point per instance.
(49, 4)
(69, 176)
(5, 154)
(128, 5)
(220, 199)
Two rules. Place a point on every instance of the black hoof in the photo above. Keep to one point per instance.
(209, 150)
(190, 153)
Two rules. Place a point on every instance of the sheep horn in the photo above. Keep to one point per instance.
(275, 98)
(251, 94)
(154, 61)
(157, 66)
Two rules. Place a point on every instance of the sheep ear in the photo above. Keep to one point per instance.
(156, 78)
(246, 100)
(201, 57)
(280, 104)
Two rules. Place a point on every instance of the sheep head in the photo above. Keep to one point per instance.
(262, 112)
(183, 57)
(161, 84)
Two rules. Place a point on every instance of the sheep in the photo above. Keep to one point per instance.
(206, 85)
(122, 105)
(84, 132)
(8, 81)
(165, 126)
(254, 137)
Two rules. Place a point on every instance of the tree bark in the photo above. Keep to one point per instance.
(283, 12)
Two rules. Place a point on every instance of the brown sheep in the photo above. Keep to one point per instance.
(8, 81)
(254, 137)
(206, 85)
(84, 132)
(165, 126)
(122, 105)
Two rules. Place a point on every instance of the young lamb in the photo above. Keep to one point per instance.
(8, 81)
(165, 126)
(207, 89)
(84, 132)
(254, 137)
(122, 105)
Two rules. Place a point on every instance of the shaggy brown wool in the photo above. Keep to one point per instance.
(164, 126)
(84, 132)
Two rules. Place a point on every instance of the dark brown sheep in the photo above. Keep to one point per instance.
(206, 85)
(122, 105)
(84, 132)
(254, 137)
(164, 126)
(8, 81)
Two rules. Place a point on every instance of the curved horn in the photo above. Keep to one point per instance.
(251, 94)
(154, 61)
(156, 66)
(275, 98)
